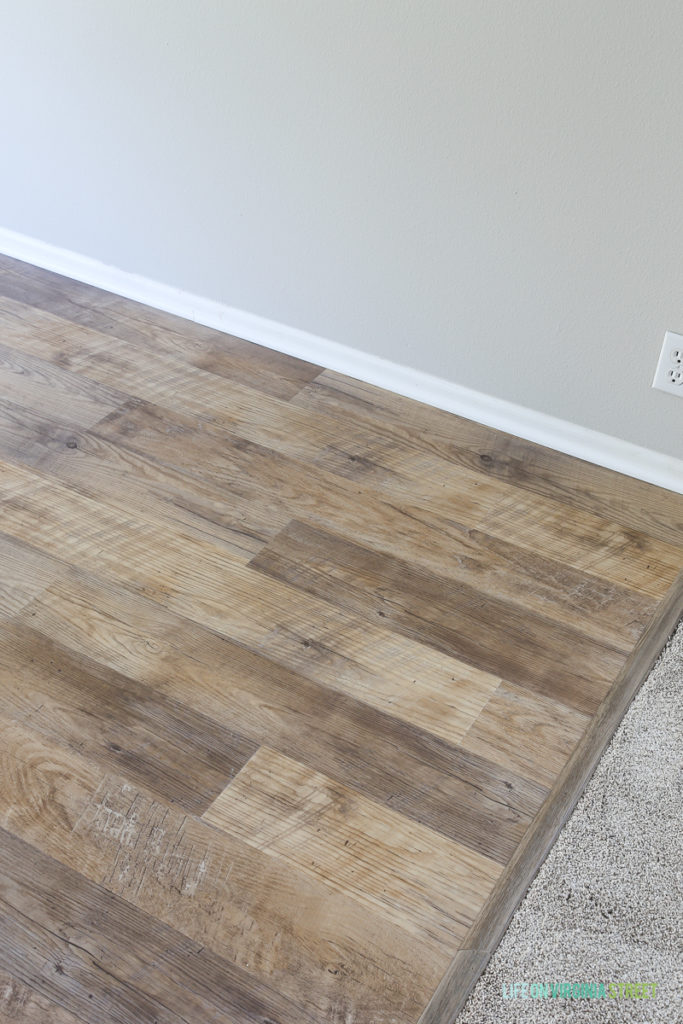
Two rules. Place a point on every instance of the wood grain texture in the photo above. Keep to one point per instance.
(409, 874)
(276, 926)
(542, 471)
(518, 730)
(117, 722)
(260, 477)
(25, 574)
(403, 463)
(131, 482)
(298, 678)
(18, 1002)
(133, 971)
(40, 385)
(459, 794)
(469, 962)
(453, 617)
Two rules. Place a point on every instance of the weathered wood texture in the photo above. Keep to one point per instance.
(298, 678)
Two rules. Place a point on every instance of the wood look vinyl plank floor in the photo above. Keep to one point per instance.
(298, 678)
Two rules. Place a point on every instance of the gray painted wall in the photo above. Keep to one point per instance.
(489, 191)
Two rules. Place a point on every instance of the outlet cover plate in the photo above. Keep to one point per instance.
(669, 372)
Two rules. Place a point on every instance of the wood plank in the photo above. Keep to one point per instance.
(275, 933)
(85, 308)
(23, 1005)
(41, 385)
(581, 485)
(464, 623)
(162, 562)
(257, 367)
(392, 674)
(118, 723)
(266, 480)
(260, 368)
(513, 883)
(133, 971)
(25, 574)
(427, 885)
(585, 541)
(37, 333)
(130, 482)
(521, 731)
(72, 301)
(542, 471)
(431, 782)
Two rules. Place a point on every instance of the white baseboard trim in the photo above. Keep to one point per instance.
(561, 435)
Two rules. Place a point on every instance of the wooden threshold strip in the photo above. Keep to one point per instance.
(469, 963)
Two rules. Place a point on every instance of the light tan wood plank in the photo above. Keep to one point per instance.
(115, 721)
(41, 385)
(526, 732)
(159, 561)
(24, 573)
(130, 482)
(133, 970)
(260, 368)
(410, 875)
(36, 332)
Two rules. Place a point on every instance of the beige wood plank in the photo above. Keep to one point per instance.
(37, 332)
(132, 968)
(159, 561)
(261, 368)
(41, 385)
(425, 884)
(527, 733)
(24, 573)
(131, 483)
(117, 722)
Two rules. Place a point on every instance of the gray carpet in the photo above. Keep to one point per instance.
(606, 905)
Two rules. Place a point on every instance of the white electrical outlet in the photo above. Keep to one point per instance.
(669, 372)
